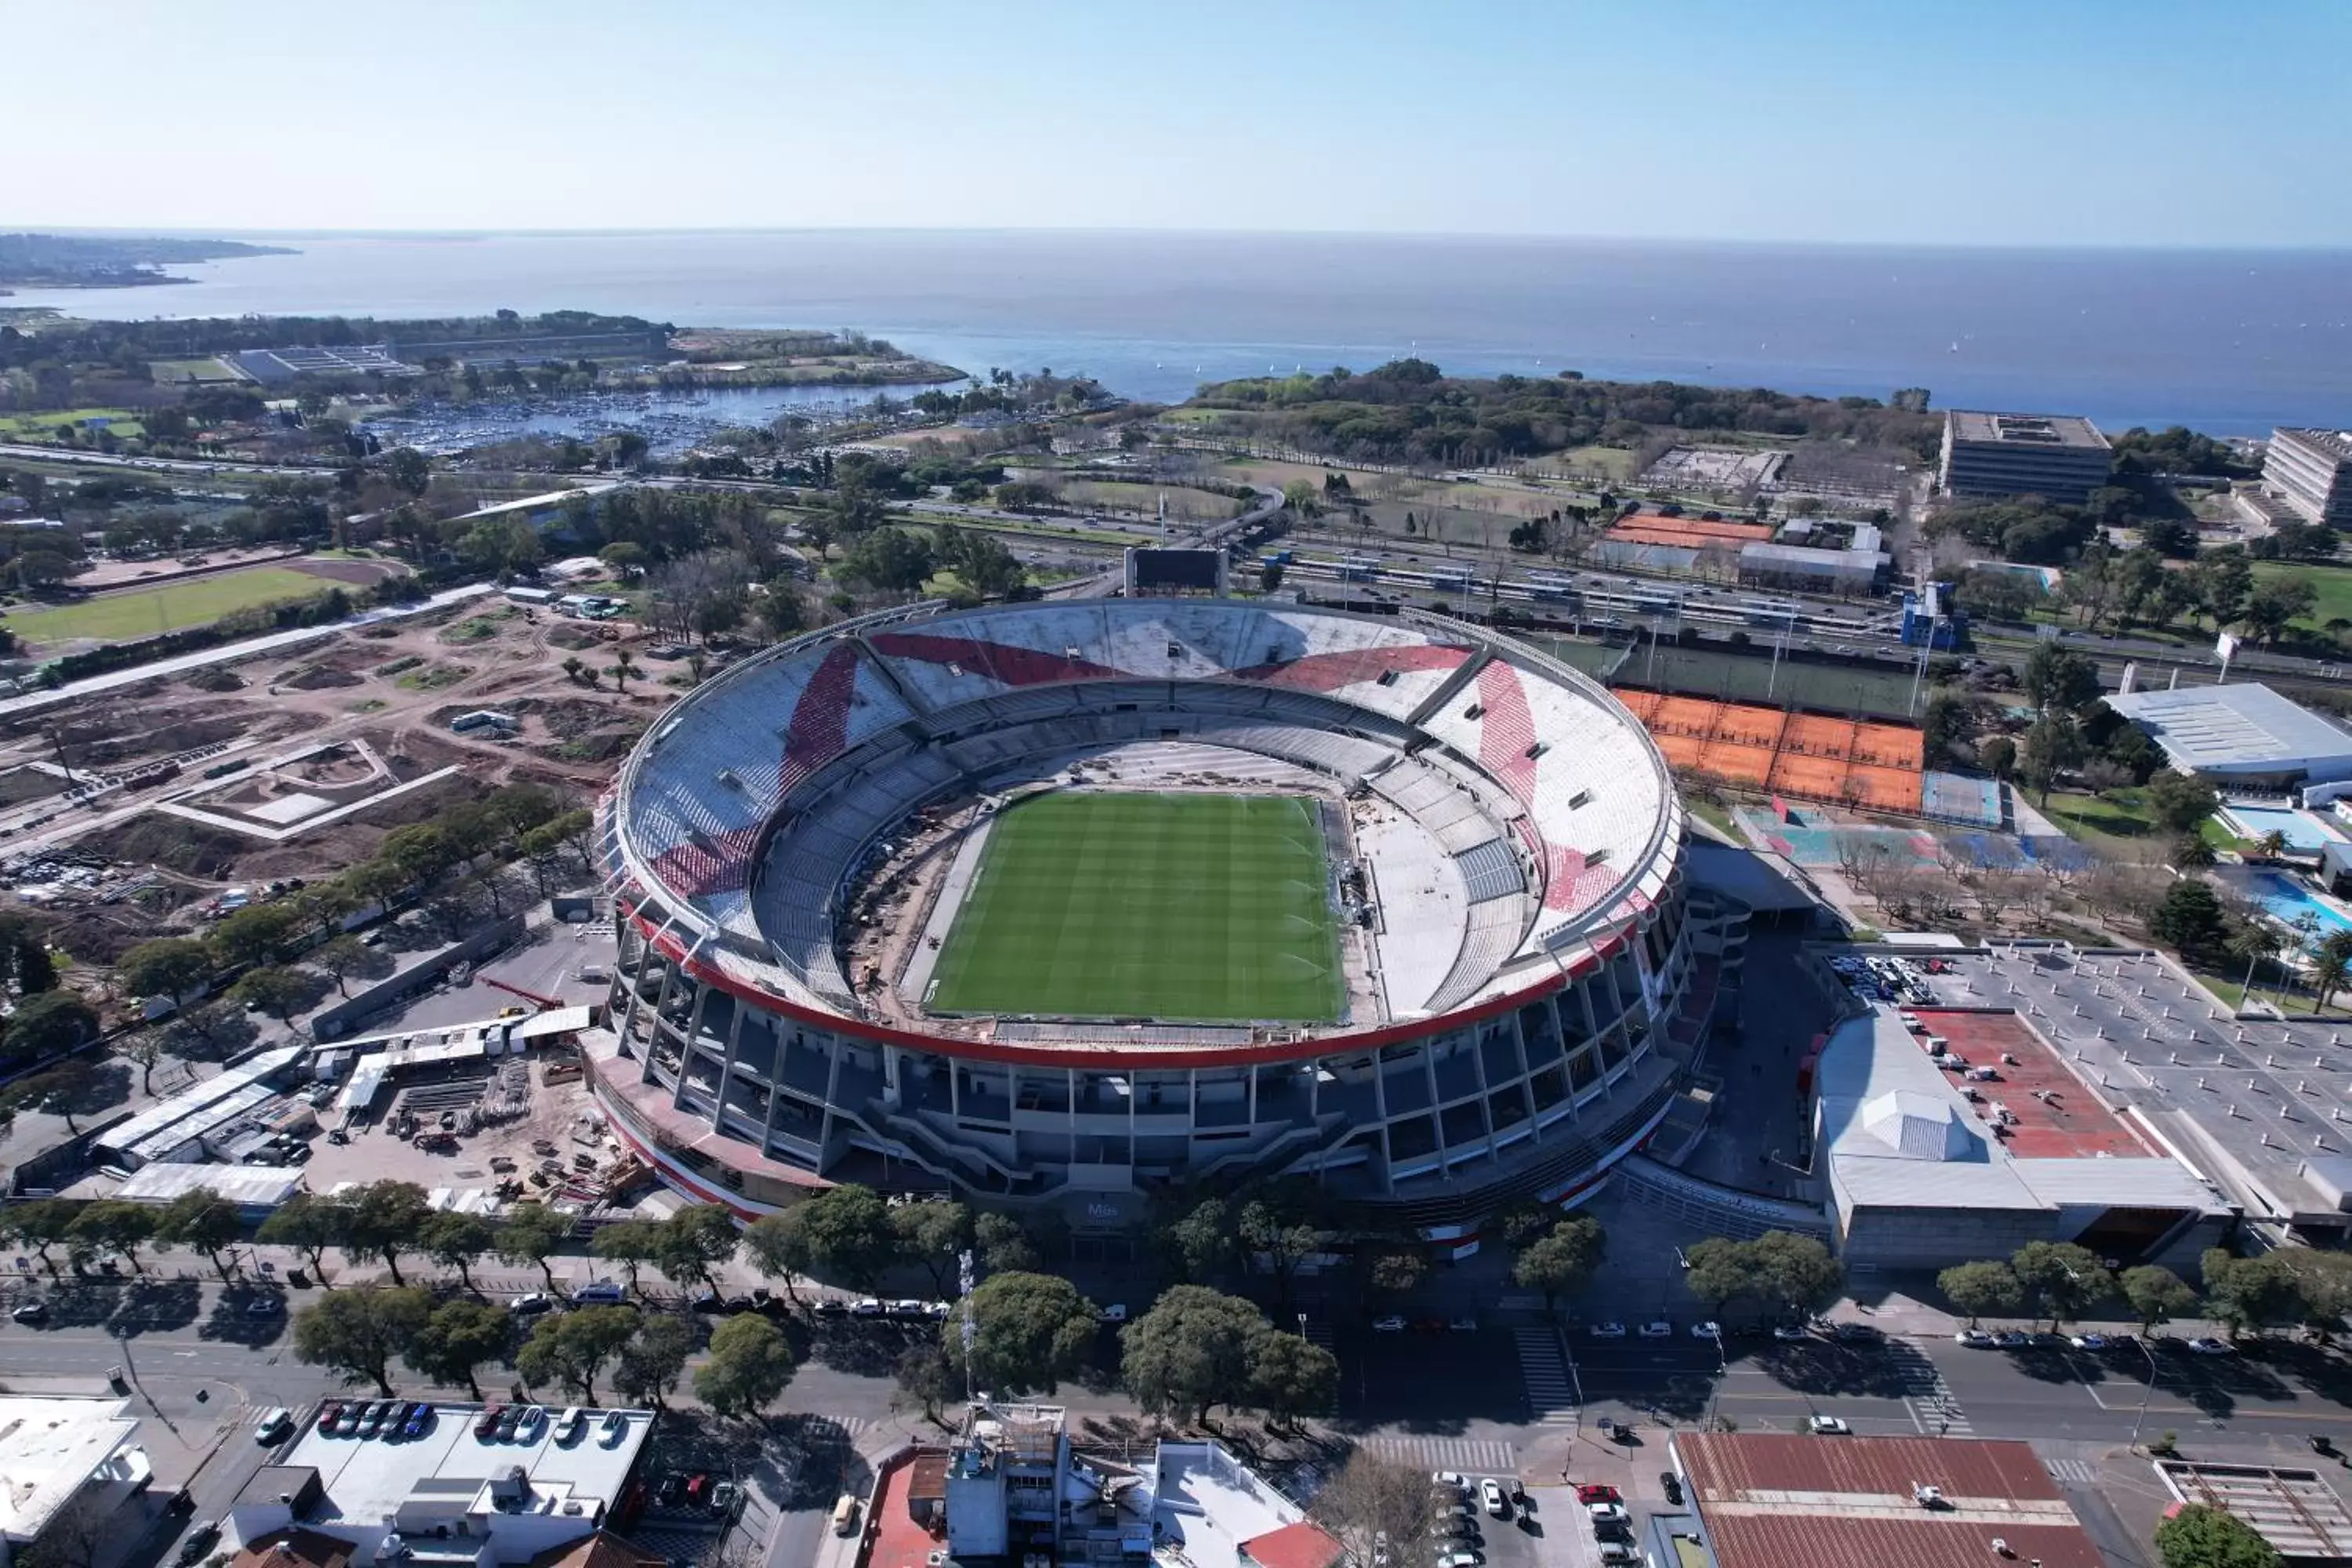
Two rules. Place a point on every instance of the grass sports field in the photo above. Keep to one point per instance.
(1111, 904)
(132, 613)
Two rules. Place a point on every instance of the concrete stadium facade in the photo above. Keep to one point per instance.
(748, 1070)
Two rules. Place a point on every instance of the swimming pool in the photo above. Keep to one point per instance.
(2302, 830)
(2285, 898)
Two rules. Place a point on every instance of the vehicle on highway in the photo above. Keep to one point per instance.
(200, 1541)
(1392, 1324)
(1976, 1338)
(2204, 1346)
(1657, 1329)
(1608, 1331)
(1828, 1426)
(1490, 1497)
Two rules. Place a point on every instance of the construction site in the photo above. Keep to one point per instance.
(128, 814)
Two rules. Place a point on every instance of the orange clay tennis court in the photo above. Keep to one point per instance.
(1687, 533)
(1853, 761)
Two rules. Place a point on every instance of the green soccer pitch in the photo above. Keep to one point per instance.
(1110, 904)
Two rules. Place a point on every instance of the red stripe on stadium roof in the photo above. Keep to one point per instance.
(1002, 662)
(1354, 666)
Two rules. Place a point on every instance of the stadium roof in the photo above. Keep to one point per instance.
(2247, 729)
(1773, 1499)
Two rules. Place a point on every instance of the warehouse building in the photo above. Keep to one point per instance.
(2245, 735)
(2058, 457)
(63, 1463)
(2311, 471)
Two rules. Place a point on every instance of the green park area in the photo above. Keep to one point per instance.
(135, 613)
(2331, 587)
(44, 426)
(1205, 908)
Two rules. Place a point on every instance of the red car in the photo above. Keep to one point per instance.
(1593, 1492)
(488, 1423)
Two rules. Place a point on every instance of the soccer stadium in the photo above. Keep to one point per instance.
(1065, 904)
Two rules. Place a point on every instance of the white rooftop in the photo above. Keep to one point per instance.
(2246, 728)
(251, 1186)
(368, 1480)
(1206, 1503)
(49, 1449)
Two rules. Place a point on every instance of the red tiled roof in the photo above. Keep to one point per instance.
(1302, 1545)
(599, 1549)
(1782, 1500)
(296, 1548)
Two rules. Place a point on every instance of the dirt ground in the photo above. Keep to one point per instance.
(395, 685)
(375, 1154)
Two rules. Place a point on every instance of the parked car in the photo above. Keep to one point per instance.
(1975, 1338)
(571, 1424)
(1708, 1331)
(1392, 1324)
(2088, 1342)
(30, 1312)
(275, 1427)
(263, 1307)
(485, 1426)
(510, 1424)
(866, 1307)
(199, 1542)
(1467, 1323)
(616, 1426)
(1618, 1553)
(533, 1422)
(372, 1422)
(531, 1303)
(1607, 1516)
(2013, 1340)
(330, 1411)
(1657, 1329)
(1459, 1559)
(420, 1420)
(2203, 1345)
(1828, 1426)
(1608, 1331)
(1114, 1313)
(1672, 1485)
(1490, 1497)
(724, 1497)
(1454, 1481)
(1790, 1331)
(1598, 1491)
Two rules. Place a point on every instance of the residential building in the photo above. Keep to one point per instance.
(2058, 457)
(2311, 472)
(66, 1466)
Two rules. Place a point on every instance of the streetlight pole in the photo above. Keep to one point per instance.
(2146, 1392)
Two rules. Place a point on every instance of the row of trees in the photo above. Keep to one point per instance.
(2060, 1282)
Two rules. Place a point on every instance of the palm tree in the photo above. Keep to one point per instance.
(2271, 845)
(2331, 967)
(625, 664)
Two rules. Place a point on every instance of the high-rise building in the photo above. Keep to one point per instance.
(2058, 457)
(2311, 471)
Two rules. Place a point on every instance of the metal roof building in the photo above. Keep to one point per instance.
(2240, 734)
(1775, 1499)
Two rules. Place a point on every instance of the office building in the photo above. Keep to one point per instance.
(2311, 472)
(2058, 457)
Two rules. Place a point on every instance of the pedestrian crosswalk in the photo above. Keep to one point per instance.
(1934, 1408)
(2072, 1472)
(1471, 1456)
(1551, 1391)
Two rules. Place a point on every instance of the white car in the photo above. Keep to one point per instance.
(2088, 1342)
(1454, 1481)
(1657, 1329)
(1788, 1332)
(1392, 1324)
(1607, 1515)
(1608, 1331)
(571, 1424)
(1114, 1313)
(1976, 1338)
(1490, 1497)
(1828, 1426)
(1707, 1330)
(2202, 1346)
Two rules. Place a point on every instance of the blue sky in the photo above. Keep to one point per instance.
(2091, 122)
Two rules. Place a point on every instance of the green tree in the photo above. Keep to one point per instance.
(2273, 603)
(625, 665)
(49, 1025)
(1280, 1231)
(2197, 1536)
(277, 992)
(1395, 1271)
(632, 1244)
(2052, 745)
(847, 1231)
(896, 560)
(1561, 1261)
(386, 1218)
(925, 1375)
(255, 934)
(623, 559)
(309, 1223)
(113, 1227)
(779, 1248)
(358, 1333)
(39, 1224)
(748, 1366)
(64, 1088)
(654, 1359)
(1194, 1351)
(1718, 1270)
(1291, 1376)
(930, 1233)
(1998, 756)
(204, 1221)
(532, 1234)
(2190, 920)
(696, 1239)
(340, 958)
(2156, 1295)
(2181, 801)
(570, 1349)
(2058, 677)
(1983, 1289)
(168, 966)
(456, 1339)
(2254, 1293)
(1003, 1245)
(456, 1241)
(2221, 582)
(1796, 1274)
(2331, 966)
(1033, 1329)
(2062, 1279)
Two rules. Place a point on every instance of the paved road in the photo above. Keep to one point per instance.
(160, 465)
